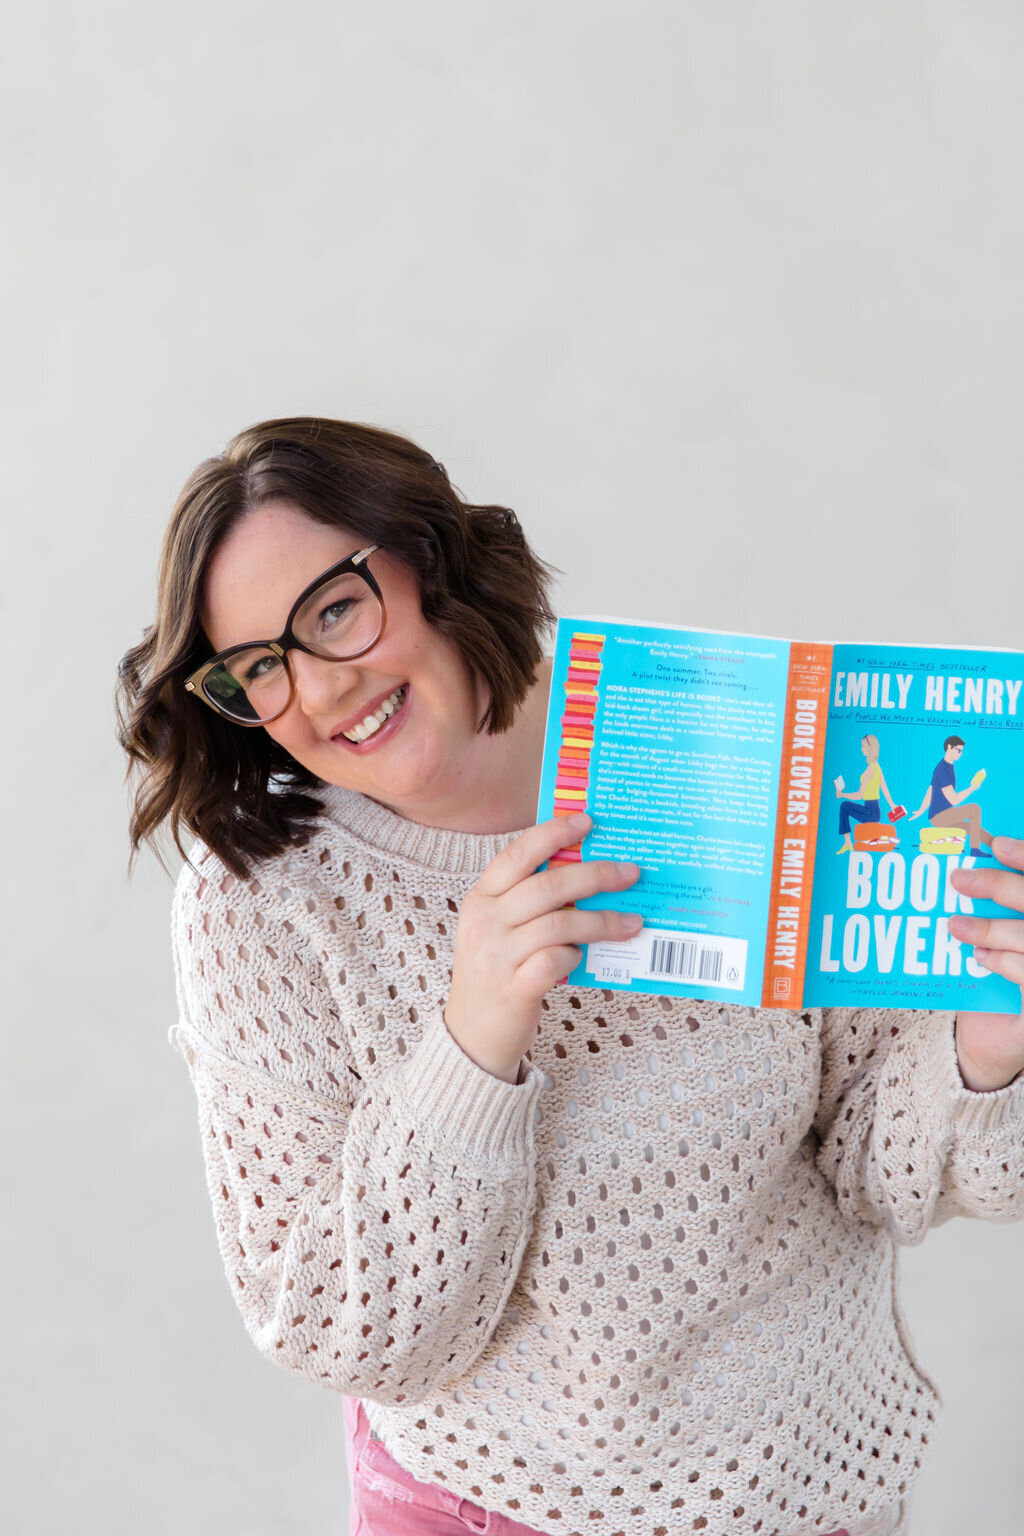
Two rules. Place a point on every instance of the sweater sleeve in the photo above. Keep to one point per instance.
(904, 1142)
(371, 1233)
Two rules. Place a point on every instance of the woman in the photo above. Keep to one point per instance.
(864, 803)
(577, 1259)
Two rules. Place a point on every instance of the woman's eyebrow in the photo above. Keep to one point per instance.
(251, 637)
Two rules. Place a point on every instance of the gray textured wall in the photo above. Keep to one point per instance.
(716, 296)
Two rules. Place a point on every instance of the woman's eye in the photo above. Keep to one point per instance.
(262, 669)
(334, 612)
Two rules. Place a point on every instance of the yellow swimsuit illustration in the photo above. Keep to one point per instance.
(864, 803)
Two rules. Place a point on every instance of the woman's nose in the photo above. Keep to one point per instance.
(320, 683)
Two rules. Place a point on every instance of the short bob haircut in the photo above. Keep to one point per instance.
(480, 584)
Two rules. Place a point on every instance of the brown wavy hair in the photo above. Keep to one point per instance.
(480, 584)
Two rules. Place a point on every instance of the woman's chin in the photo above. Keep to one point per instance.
(408, 789)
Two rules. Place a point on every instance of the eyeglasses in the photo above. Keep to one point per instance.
(337, 617)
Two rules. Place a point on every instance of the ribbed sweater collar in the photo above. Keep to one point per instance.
(436, 847)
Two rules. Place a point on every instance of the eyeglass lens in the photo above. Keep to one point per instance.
(341, 618)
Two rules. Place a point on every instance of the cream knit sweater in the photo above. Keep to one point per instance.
(652, 1288)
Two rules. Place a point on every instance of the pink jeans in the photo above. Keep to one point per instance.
(388, 1501)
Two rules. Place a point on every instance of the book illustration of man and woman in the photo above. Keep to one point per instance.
(952, 822)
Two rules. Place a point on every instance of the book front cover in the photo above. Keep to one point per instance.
(923, 759)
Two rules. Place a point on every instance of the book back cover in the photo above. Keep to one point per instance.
(671, 739)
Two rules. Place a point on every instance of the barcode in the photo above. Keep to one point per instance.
(685, 959)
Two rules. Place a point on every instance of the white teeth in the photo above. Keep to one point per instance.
(372, 723)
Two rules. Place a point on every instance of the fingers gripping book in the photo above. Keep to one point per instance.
(796, 810)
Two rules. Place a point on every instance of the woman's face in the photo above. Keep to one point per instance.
(428, 752)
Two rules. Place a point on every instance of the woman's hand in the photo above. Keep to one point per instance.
(514, 941)
(990, 1046)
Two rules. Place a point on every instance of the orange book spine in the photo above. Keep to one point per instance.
(796, 826)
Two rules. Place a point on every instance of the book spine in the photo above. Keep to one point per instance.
(572, 775)
(796, 826)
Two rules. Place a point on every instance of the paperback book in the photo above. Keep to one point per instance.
(796, 810)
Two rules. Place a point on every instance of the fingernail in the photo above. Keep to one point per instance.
(631, 921)
(630, 871)
(579, 820)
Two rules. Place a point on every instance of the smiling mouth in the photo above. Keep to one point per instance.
(372, 724)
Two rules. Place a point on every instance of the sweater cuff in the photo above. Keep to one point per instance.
(482, 1114)
(969, 1112)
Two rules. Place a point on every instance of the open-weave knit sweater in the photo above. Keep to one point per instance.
(651, 1288)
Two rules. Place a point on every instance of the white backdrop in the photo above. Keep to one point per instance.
(725, 300)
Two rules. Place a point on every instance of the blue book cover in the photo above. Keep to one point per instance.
(924, 764)
(796, 809)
